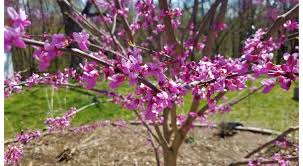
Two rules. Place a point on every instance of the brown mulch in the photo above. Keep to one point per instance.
(111, 146)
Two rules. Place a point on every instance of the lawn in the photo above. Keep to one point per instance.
(28, 110)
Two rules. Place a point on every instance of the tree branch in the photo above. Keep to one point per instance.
(205, 20)
(282, 135)
(292, 13)
(93, 58)
(211, 37)
(170, 33)
(125, 23)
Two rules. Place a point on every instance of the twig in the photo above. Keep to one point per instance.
(292, 13)
(282, 135)
(155, 149)
(45, 133)
(211, 37)
(125, 23)
(116, 42)
(205, 21)
(236, 101)
(147, 127)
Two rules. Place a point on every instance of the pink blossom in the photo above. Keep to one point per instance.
(291, 25)
(284, 82)
(18, 19)
(123, 12)
(45, 55)
(224, 108)
(43, 58)
(177, 12)
(60, 123)
(12, 85)
(281, 160)
(82, 39)
(254, 163)
(33, 80)
(25, 137)
(116, 80)
(175, 23)
(90, 74)
(160, 28)
(12, 36)
(13, 155)
(268, 85)
(135, 26)
(201, 45)
(219, 26)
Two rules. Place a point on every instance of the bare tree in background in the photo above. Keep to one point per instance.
(71, 26)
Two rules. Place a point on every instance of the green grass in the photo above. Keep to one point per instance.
(29, 109)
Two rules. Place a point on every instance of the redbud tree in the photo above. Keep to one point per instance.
(161, 60)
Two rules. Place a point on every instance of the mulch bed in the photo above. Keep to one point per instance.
(113, 146)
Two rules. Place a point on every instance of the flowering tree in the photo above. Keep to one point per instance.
(146, 51)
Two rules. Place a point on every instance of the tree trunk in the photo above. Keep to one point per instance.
(170, 158)
(70, 26)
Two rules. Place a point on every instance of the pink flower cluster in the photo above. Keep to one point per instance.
(82, 39)
(13, 155)
(45, 55)
(260, 53)
(25, 137)
(13, 34)
(12, 85)
(281, 160)
(15, 85)
(90, 74)
(60, 123)
(291, 25)
(146, 10)
(174, 15)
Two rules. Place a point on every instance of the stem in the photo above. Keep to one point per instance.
(282, 135)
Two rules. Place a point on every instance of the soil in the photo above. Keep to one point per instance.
(114, 146)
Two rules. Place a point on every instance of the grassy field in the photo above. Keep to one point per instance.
(29, 109)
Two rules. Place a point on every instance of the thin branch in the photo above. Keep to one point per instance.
(282, 135)
(205, 21)
(292, 13)
(236, 101)
(163, 141)
(155, 149)
(90, 57)
(167, 57)
(114, 24)
(147, 127)
(45, 133)
(116, 42)
(211, 37)
(125, 23)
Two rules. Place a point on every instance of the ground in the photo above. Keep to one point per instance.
(111, 146)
